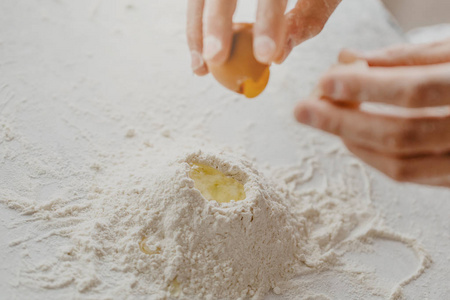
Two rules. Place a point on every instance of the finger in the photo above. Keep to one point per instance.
(402, 55)
(421, 86)
(432, 170)
(195, 35)
(383, 133)
(218, 33)
(269, 29)
(304, 21)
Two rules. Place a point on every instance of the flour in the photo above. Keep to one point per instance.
(213, 250)
(229, 250)
(195, 248)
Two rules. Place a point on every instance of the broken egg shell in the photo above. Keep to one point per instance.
(242, 73)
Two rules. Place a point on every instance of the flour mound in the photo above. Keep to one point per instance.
(228, 250)
(201, 248)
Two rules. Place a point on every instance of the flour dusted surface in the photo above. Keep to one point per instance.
(143, 229)
(97, 122)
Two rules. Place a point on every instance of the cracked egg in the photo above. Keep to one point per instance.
(242, 73)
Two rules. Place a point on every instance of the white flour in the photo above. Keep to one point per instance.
(96, 133)
(199, 248)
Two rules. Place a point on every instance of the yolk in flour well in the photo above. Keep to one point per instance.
(214, 185)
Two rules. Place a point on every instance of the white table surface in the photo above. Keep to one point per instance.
(74, 73)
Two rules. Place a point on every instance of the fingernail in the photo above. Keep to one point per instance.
(334, 89)
(211, 46)
(196, 60)
(303, 115)
(348, 56)
(264, 48)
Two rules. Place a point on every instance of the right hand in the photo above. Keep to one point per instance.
(275, 33)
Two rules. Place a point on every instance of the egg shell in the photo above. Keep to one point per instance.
(242, 73)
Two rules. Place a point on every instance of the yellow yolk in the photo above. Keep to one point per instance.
(144, 248)
(251, 88)
(175, 288)
(214, 185)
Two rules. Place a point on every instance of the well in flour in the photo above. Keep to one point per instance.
(214, 185)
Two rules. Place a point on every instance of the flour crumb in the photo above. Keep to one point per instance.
(148, 144)
(8, 135)
(130, 133)
(166, 133)
(96, 167)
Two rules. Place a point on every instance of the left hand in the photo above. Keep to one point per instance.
(413, 146)
(209, 29)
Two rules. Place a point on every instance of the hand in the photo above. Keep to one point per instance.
(410, 145)
(275, 33)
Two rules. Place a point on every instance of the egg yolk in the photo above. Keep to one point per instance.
(251, 88)
(175, 288)
(144, 248)
(214, 185)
